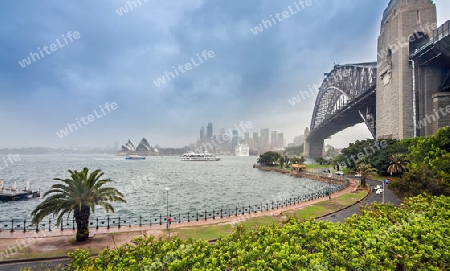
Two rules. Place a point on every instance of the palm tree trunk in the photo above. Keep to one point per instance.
(82, 219)
(363, 181)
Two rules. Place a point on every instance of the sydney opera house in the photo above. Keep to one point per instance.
(143, 149)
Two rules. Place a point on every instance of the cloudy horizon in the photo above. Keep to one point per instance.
(171, 67)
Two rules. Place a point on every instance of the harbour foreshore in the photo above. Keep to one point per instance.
(154, 229)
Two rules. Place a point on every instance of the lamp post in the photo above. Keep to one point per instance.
(329, 188)
(167, 209)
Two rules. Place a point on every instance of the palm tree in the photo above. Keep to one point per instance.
(363, 170)
(397, 163)
(80, 194)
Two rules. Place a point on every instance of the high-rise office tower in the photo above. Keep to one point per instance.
(209, 131)
(234, 141)
(280, 140)
(202, 134)
(273, 140)
(264, 141)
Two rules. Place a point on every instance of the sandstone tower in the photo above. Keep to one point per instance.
(406, 26)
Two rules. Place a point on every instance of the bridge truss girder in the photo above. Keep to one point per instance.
(341, 86)
(346, 97)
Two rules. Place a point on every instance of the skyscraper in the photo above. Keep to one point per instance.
(234, 141)
(264, 141)
(246, 137)
(280, 141)
(255, 145)
(202, 134)
(209, 131)
(273, 140)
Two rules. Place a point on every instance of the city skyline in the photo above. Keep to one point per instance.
(228, 61)
(225, 142)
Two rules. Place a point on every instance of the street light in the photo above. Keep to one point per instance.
(167, 205)
(329, 188)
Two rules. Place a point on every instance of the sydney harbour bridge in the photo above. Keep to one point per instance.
(410, 81)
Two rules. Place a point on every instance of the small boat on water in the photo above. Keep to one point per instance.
(135, 157)
(14, 193)
(193, 156)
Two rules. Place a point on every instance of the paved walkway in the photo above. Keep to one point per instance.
(389, 197)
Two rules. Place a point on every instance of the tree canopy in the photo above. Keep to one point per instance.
(269, 158)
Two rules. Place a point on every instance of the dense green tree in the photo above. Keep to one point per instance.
(269, 158)
(380, 161)
(321, 161)
(79, 194)
(428, 167)
(298, 160)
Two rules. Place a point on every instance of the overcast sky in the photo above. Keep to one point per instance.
(116, 58)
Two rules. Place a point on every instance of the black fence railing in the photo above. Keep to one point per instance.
(144, 220)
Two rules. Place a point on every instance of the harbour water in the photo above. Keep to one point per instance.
(193, 186)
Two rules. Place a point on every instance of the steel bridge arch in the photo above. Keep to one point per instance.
(342, 86)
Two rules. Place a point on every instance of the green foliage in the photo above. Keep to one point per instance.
(269, 158)
(381, 161)
(298, 160)
(429, 166)
(369, 151)
(413, 237)
(322, 161)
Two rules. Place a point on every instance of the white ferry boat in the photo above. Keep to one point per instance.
(242, 150)
(192, 156)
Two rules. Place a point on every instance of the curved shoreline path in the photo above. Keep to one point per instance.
(157, 230)
(341, 215)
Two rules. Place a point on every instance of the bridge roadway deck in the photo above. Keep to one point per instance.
(345, 118)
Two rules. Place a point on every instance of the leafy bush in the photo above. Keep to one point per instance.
(412, 237)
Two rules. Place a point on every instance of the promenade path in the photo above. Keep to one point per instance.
(389, 197)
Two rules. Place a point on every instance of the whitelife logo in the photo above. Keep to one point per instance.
(90, 118)
(187, 67)
(301, 5)
(131, 5)
(53, 47)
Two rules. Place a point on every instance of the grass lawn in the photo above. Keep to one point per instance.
(215, 231)
(317, 166)
(325, 207)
